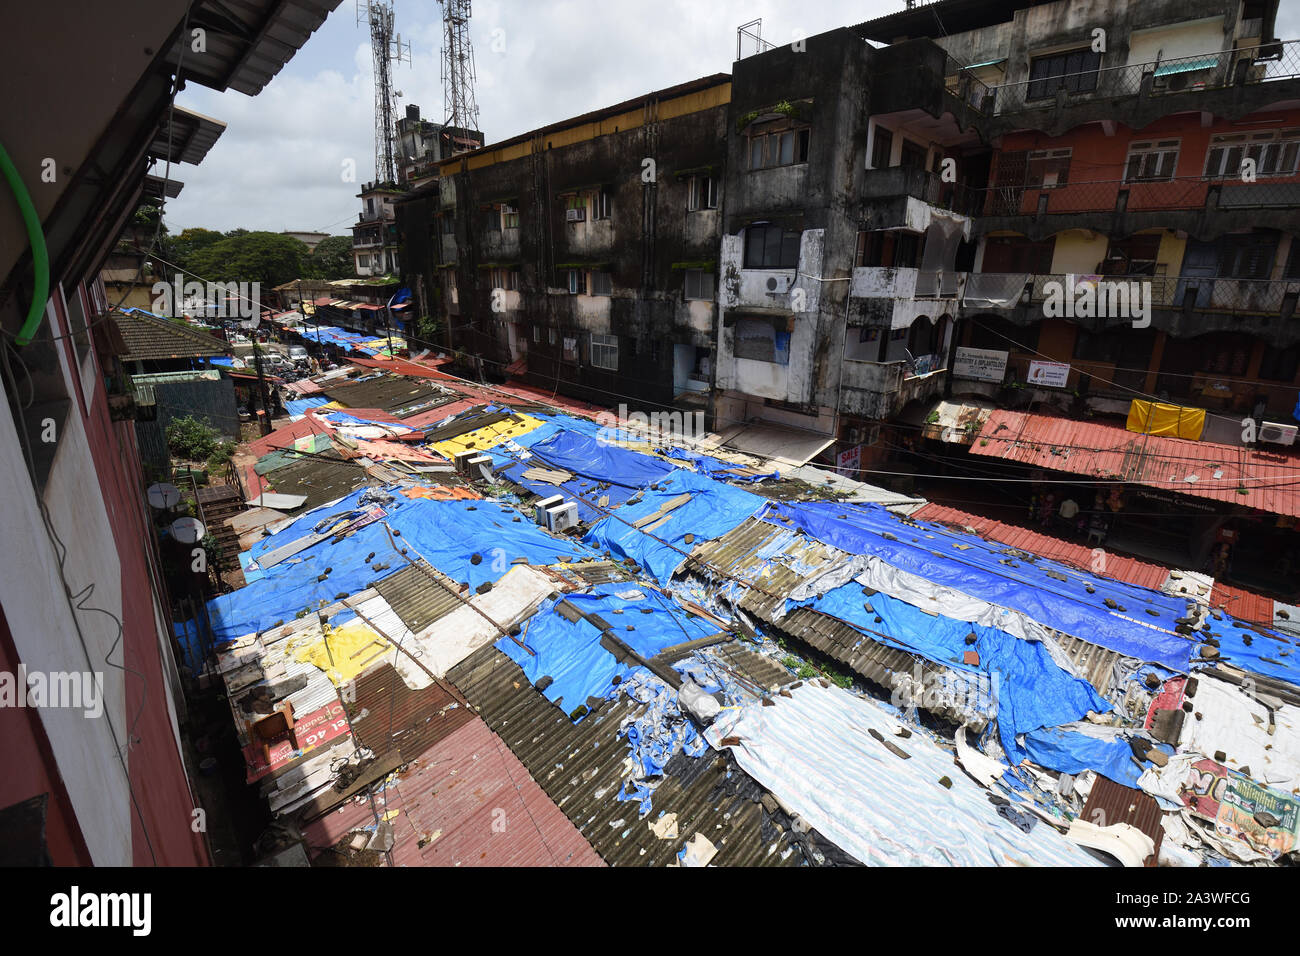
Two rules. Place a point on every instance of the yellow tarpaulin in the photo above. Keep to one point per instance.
(486, 437)
(1173, 421)
(352, 648)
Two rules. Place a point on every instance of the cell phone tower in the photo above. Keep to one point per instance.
(458, 69)
(387, 48)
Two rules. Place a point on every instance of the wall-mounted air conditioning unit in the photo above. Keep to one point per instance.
(541, 507)
(462, 459)
(1278, 433)
(777, 285)
(479, 467)
(575, 215)
(562, 517)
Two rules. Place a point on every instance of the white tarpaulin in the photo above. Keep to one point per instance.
(994, 290)
(816, 753)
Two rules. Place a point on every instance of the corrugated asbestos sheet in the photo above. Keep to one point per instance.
(388, 715)
(746, 552)
(398, 396)
(581, 767)
(415, 597)
(1110, 803)
(1095, 664)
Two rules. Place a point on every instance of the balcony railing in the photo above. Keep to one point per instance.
(923, 185)
(1207, 71)
(1193, 193)
(1265, 297)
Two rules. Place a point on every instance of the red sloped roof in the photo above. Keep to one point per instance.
(1243, 604)
(286, 436)
(1118, 566)
(421, 369)
(1271, 480)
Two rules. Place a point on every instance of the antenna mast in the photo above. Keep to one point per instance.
(458, 71)
(387, 48)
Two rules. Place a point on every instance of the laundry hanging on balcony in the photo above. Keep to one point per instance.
(938, 275)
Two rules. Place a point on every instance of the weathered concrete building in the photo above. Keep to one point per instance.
(583, 255)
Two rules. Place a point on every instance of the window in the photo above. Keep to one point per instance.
(704, 193)
(601, 284)
(1248, 256)
(1274, 152)
(537, 334)
(699, 284)
(600, 205)
(576, 285)
(771, 247)
(1049, 167)
(492, 219)
(913, 155)
(509, 216)
(1074, 71)
(507, 279)
(1134, 256)
(550, 336)
(782, 147)
(570, 350)
(889, 249)
(882, 147)
(575, 209)
(1151, 161)
(758, 340)
(1280, 365)
(604, 351)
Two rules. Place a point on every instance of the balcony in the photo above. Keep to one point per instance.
(1221, 80)
(886, 192)
(880, 390)
(1202, 205)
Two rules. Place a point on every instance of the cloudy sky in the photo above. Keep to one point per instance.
(279, 163)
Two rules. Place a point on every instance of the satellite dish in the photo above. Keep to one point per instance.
(188, 530)
(162, 495)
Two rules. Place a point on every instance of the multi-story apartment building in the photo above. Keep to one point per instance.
(94, 767)
(583, 255)
(421, 144)
(374, 235)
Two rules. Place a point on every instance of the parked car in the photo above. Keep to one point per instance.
(298, 354)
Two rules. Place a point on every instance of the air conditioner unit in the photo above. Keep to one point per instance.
(540, 507)
(1278, 433)
(562, 517)
(461, 461)
(776, 285)
(480, 467)
(575, 215)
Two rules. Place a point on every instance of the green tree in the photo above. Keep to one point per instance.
(332, 259)
(181, 248)
(191, 438)
(266, 257)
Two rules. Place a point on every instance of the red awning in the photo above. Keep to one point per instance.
(1267, 481)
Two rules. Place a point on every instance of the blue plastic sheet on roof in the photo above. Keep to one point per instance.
(715, 467)
(580, 491)
(570, 653)
(1030, 688)
(299, 406)
(447, 533)
(714, 509)
(224, 361)
(1269, 652)
(1068, 751)
(589, 457)
(977, 568)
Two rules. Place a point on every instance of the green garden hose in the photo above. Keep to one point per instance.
(40, 255)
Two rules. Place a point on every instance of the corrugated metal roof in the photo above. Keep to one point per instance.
(389, 393)
(582, 767)
(319, 479)
(1263, 480)
(152, 339)
(1118, 566)
(1109, 804)
(416, 599)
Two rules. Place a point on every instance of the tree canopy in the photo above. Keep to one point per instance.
(266, 257)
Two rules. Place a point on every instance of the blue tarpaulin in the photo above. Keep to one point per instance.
(1030, 688)
(570, 653)
(715, 467)
(299, 406)
(714, 509)
(1067, 751)
(1052, 594)
(583, 492)
(589, 457)
(447, 533)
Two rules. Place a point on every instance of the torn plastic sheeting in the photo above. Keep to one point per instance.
(714, 509)
(815, 752)
(588, 456)
(716, 467)
(570, 652)
(655, 736)
(977, 569)
(1030, 689)
(447, 533)
(616, 495)
(1067, 751)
